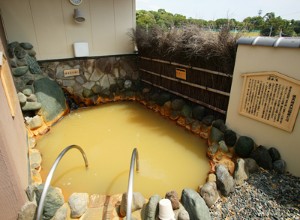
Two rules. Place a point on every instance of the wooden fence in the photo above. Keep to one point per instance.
(208, 88)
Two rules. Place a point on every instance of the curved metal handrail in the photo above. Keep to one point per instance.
(50, 175)
(134, 158)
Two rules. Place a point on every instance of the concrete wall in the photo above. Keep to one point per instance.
(13, 150)
(257, 59)
(50, 27)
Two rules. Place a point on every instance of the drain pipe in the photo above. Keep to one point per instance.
(50, 175)
(134, 158)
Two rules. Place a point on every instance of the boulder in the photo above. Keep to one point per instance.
(223, 147)
(173, 197)
(177, 104)
(32, 98)
(78, 203)
(219, 123)
(61, 213)
(27, 92)
(279, 166)
(183, 215)
(34, 122)
(186, 111)
(33, 65)
(262, 157)
(244, 146)
(19, 71)
(198, 112)
(208, 120)
(274, 153)
(19, 52)
(209, 193)
(240, 173)
(22, 98)
(163, 98)
(53, 201)
(250, 165)
(28, 211)
(230, 138)
(150, 210)
(127, 84)
(215, 135)
(225, 182)
(195, 205)
(35, 158)
(31, 106)
(211, 177)
(51, 97)
(26, 46)
(138, 201)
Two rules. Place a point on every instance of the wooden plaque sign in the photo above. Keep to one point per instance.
(181, 73)
(71, 72)
(271, 98)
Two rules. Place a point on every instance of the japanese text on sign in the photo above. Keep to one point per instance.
(271, 98)
(181, 73)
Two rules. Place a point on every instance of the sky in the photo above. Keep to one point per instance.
(214, 9)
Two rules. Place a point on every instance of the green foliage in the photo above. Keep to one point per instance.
(268, 25)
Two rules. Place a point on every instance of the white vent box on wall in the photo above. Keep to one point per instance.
(81, 49)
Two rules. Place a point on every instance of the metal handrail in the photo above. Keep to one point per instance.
(50, 175)
(134, 158)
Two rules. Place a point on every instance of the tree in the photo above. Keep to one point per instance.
(145, 19)
(276, 26)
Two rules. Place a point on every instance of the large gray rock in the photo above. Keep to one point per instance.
(35, 158)
(33, 65)
(78, 203)
(19, 52)
(244, 146)
(31, 106)
(219, 123)
(225, 181)
(19, 71)
(150, 210)
(279, 166)
(22, 98)
(262, 157)
(215, 135)
(198, 112)
(34, 122)
(173, 197)
(177, 104)
(209, 193)
(230, 138)
(53, 201)
(61, 213)
(274, 153)
(28, 211)
(195, 205)
(52, 98)
(26, 46)
(240, 173)
(183, 215)
(138, 201)
(250, 165)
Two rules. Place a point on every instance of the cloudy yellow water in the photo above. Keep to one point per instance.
(170, 157)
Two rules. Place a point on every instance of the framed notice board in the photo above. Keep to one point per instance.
(272, 98)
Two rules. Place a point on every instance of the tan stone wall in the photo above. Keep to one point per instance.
(13, 151)
(49, 26)
(252, 59)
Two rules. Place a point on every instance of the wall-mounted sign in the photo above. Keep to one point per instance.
(71, 72)
(181, 73)
(271, 98)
